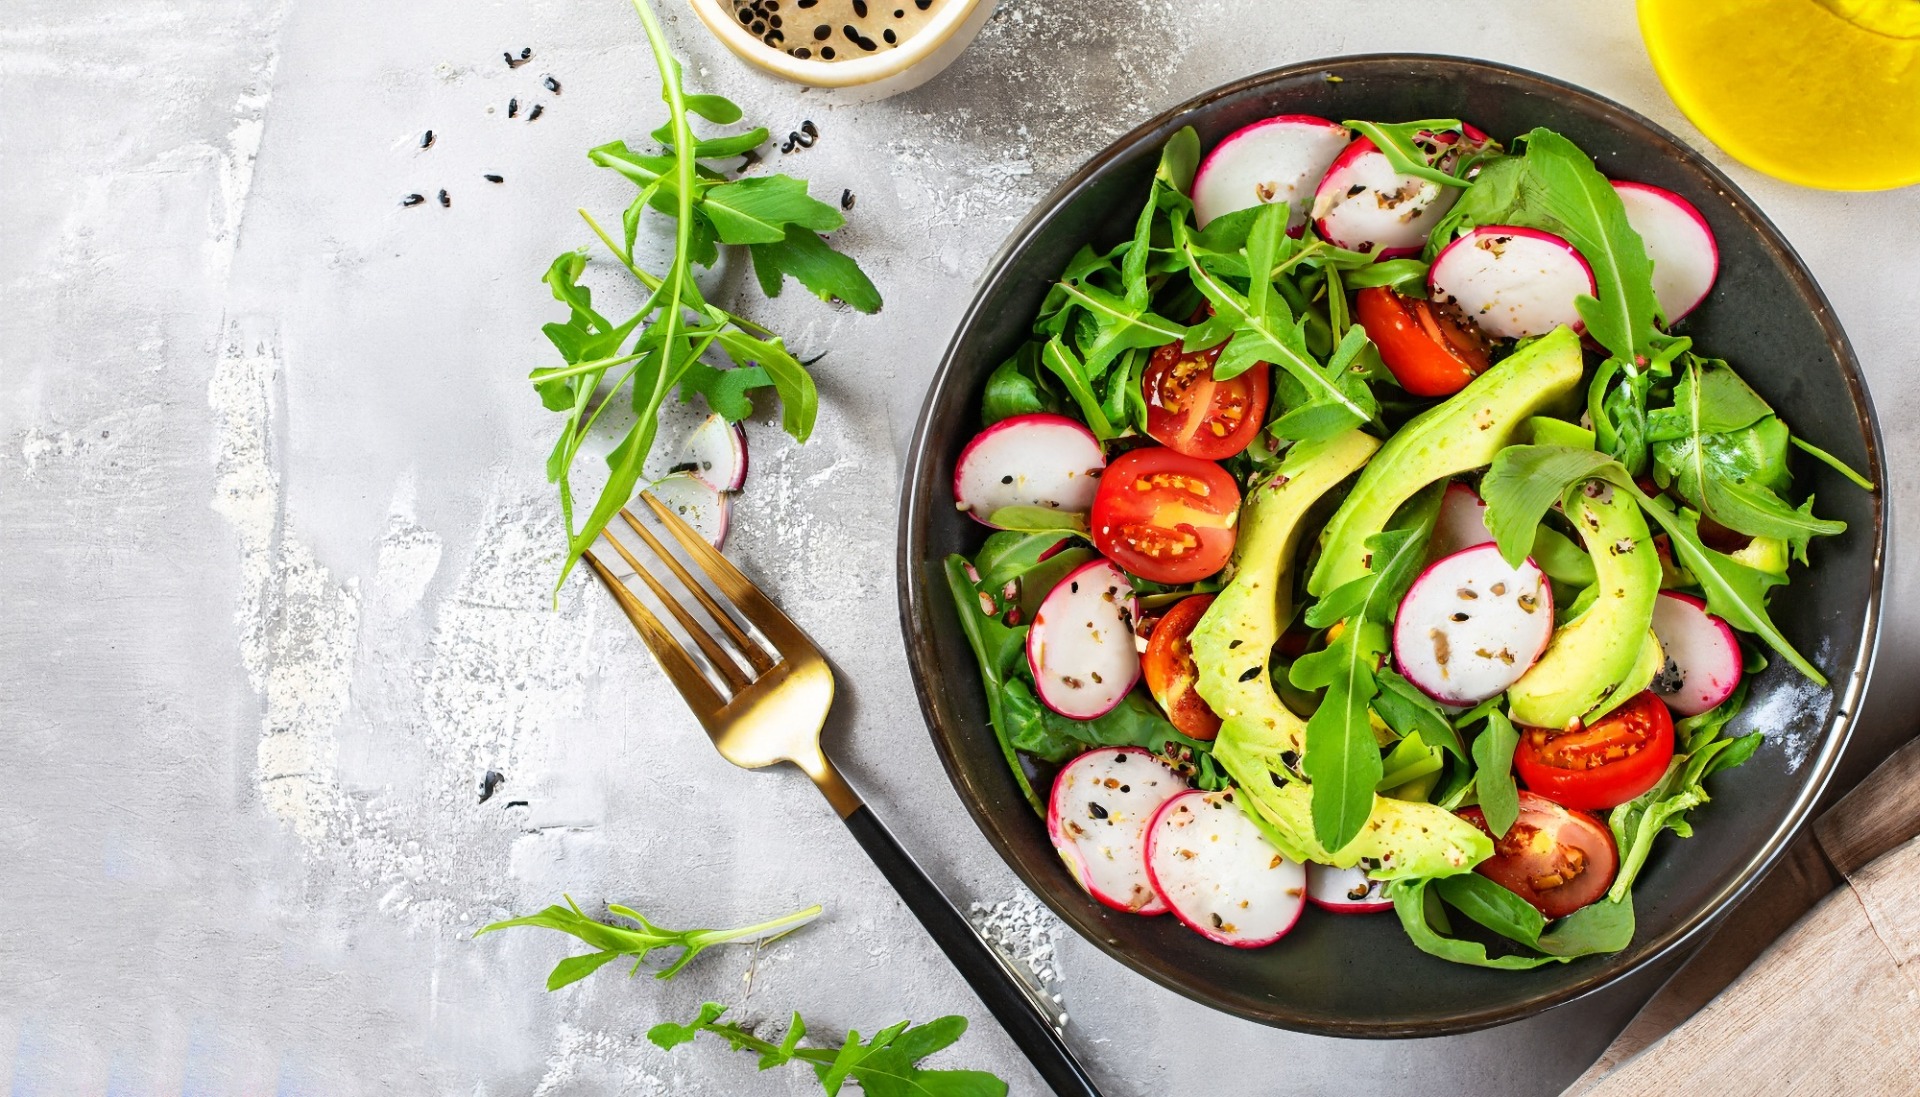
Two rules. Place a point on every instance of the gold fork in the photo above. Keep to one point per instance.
(768, 705)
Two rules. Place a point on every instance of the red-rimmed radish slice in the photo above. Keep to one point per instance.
(1219, 874)
(1097, 818)
(1363, 205)
(1686, 259)
(1277, 159)
(1461, 523)
(1080, 647)
(1703, 658)
(1471, 625)
(697, 503)
(1512, 282)
(1037, 460)
(1345, 890)
(716, 452)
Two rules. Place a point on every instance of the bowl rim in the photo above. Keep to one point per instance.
(857, 72)
(916, 604)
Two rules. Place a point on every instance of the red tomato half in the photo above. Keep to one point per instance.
(1190, 412)
(1164, 516)
(1557, 860)
(1604, 764)
(1429, 354)
(1170, 673)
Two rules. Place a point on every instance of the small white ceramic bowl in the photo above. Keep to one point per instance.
(875, 76)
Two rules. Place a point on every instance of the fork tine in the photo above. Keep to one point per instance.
(761, 663)
(716, 655)
(754, 606)
(693, 686)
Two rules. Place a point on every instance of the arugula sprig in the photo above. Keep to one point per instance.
(1703, 751)
(885, 1065)
(1342, 756)
(773, 217)
(612, 942)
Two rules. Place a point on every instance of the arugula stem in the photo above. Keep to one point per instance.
(652, 281)
(579, 368)
(785, 924)
(1832, 462)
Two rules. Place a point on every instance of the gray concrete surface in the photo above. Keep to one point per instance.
(275, 547)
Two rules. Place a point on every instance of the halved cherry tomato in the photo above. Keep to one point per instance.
(1557, 859)
(1604, 764)
(1170, 673)
(1429, 354)
(1164, 516)
(1190, 412)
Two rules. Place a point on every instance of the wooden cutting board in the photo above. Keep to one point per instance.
(1829, 1006)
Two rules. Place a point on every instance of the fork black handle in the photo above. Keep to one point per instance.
(983, 968)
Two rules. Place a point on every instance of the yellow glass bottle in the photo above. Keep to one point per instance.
(1824, 93)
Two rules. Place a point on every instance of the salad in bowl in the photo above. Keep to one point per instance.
(1367, 536)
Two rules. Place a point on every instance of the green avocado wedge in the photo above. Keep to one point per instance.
(1586, 670)
(1232, 646)
(1461, 434)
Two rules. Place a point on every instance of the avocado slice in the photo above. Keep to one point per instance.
(1586, 667)
(1232, 646)
(1461, 434)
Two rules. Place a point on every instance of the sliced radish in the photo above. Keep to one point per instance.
(1038, 460)
(1685, 257)
(716, 452)
(1081, 644)
(1703, 658)
(1364, 205)
(1461, 523)
(1275, 160)
(1219, 874)
(1471, 625)
(1345, 890)
(1097, 818)
(1512, 282)
(697, 503)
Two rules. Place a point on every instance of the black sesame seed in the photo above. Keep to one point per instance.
(899, 13)
(759, 27)
(807, 127)
(526, 54)
(1008, 478)
(509, 56)
(846, 202)
(489, 783)
(554, 85)
(853, 35)
(1250, 674)
(801, 52)
(513, 108)
(494, 178)
(923, 5)
(412, 200)
(444, 200)
(537, 111)
(426, 140)
(805, 3)
(889, 36)
(826, 53)
(1096, 810)
(773, 21)
(860, 9)
(822, 32)
(746, 16)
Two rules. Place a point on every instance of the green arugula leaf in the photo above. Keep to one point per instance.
(762, 209)
(1596, 928)
(1073, 377)
(1410, 713)
(1342, 757)
(614, 941)
(1412, 148)
(998, 649)
(806, 258)
(1493, 762)
(1016, 387)
(887, 1065)
(1638, 822)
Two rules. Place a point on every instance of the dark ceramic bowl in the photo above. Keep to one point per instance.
(1358, 975)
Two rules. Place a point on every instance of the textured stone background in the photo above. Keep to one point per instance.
(275, 545)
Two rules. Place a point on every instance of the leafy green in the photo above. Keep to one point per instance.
(886, 1065)
(1596, 928)
(1017, 387)
(1723, 450)
(998, 648)
(1493, 762)
(613, 941)
(1701, 753)
(1342, 757)
(773, 216)
(1411, 148)
(1410, 712)
(1832, 462)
